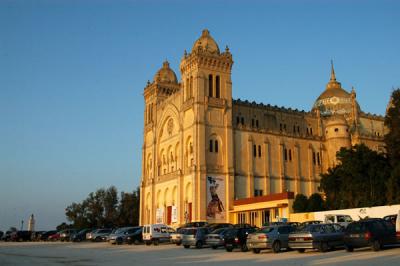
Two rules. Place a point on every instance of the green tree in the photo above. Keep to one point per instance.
(315, 203)
(359, 180)
(392, 141)
(300, 203)
(129, 208)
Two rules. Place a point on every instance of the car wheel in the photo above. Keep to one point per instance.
(376, 245)
(323, 247)
(349, 248)
(229, 249)
(276, 247)
(301, 250)
(214, 247)
(199, 244)
(186, 246)
(256, 250)
(156, 242)
(178, 244)
(136, 242)
(148, 243)
(244, 248)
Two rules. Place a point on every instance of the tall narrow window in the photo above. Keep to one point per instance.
(310, 130)
(210, 85)
(237, 120)
(259, 151)
(187, 89)
(318, 159)
(254, 150)
(211, 145)
(313, 158)
(256, 123)
(252, 122)
(242, 120)
(285, 154)
(191, 87)
(216, 146)
(290, 155)
(217, 87)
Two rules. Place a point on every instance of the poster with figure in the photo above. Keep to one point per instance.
(174, 214)
(216, 199)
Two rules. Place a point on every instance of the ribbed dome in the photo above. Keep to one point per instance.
(206, 42)
(165, 74)
(334, 100)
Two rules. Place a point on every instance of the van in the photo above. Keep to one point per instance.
(156, 233)
(342, 219)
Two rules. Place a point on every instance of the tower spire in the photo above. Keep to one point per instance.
(333, 77)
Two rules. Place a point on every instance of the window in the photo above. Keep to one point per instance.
(241, 217)
(256, 123)
(298, 129)
(258, 192)
(211, 146)
(313, 158)
(217, 87)
(318, 159)
(190, 88)
(259, 150)
(336, 130)
(310, 130)
(242, 121)
(237, 120)
(280, 127)
(294, 129)
(254, 150)
(290, 155)
(252, 122)
(285, 154)
(210, 85)
(216, 146)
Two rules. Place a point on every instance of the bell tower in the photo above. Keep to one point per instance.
(207, 89)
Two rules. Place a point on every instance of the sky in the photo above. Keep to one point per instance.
(72, 75)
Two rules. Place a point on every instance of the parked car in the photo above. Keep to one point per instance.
(21, 235)
(1, 234)
(317, 236)
(237, 238)
(195, 236)
(99, 235)
(136, 237)
(35, 236)
(66, 234)
(119, 236)
(81, 235)
(196, 224)
(216, 238)
(215, 226)
(7, 236)
(45, 236)
(375, 233)
(391, 218)
(271, 237)
(176, 238)
(54, 237)
(156, 233)
(342, 219)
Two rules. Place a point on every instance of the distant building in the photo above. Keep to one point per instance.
(31, 223)
(209, 157)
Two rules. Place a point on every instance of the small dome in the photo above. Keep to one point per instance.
(206, 42)
(165, 74)
(334, 100)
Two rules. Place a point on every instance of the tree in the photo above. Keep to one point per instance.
(63, 226)
(359, 180)
(129, 208)
(392, 141)
(300, 203)
(315, 203)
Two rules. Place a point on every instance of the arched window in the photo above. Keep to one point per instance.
(210, 85)
(217, 87)
(216, 146)
(211, 145)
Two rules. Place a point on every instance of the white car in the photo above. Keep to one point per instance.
(156, 233)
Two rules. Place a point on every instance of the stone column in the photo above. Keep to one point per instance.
(267, 165)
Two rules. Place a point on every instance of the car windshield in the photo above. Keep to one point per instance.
(265, 230)
(218, 231)
(121, 230)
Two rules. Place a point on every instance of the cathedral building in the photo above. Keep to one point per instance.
(208, 157)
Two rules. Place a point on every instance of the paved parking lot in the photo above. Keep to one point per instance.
(85, 254)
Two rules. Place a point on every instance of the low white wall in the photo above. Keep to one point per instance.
(356, 214)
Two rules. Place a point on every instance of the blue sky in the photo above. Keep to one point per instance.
(72, 75)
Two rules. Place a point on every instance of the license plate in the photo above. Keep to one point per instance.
(229, 245)
(354, 235)
(299, 239)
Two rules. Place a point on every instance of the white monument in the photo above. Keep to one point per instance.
(31, 224)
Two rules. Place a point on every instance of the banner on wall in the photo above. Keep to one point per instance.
(160, 216)
(216, 199)
(174, 215)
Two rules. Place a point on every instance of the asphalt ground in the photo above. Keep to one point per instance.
(85, 254)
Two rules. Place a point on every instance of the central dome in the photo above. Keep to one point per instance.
(206, 43)
(334, 100)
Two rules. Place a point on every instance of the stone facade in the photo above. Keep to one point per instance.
(206, 156)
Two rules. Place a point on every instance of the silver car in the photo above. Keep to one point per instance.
(99, 234)
(119, 235)
(272, 237)
(176, 238)
(194, 236)
(317, 236)
(216, 239)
